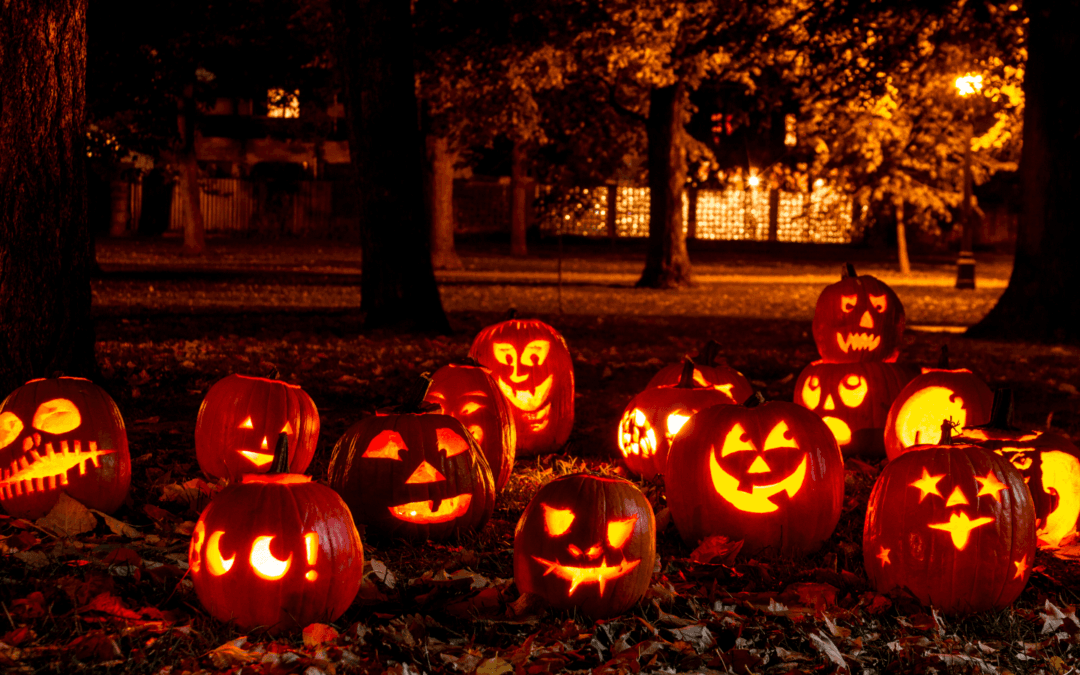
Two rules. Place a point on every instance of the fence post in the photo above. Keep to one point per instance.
(774, 213)
(612, 205)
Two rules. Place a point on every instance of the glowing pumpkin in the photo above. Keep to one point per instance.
(276, 551)
(653, 418)
(770, 475)
(532, 366)
(587, 542)
(413, 474)
(468, 393)
(954, 525)
(858, 319)
(709, 371)
(241, 417)
(853, 399)
(62, 435)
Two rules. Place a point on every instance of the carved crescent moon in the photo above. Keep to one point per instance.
(263, 561)
(214, 562)
(757, 500)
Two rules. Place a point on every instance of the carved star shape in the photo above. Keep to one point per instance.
(927, 485)
(990, 485)
(1021, 567)
(884, 556)
(960, 527)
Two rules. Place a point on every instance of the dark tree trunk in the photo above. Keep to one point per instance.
(901, 236)
(194, 228)
(1041, 301)
(45, 248)
(440, 199)
(518, 198)
(397, 283)
(157, 193)
(667, 264)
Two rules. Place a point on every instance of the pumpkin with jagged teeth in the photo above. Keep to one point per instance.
(858, 319)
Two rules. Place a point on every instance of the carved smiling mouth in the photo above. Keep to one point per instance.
(960, 526)
(425, 513)
(584, 575)
(533, 403)
(859, 342)
(49, 470)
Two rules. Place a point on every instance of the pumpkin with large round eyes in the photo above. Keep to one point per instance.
(769, 474)
(587, 542)
(413, 474)
(532, 367)
(652, 419)
(61, 435)
(858, 319)
(954, 525)
(468, 392)
(853, 399)
(276, 550)
(709, 371)
(240, 418)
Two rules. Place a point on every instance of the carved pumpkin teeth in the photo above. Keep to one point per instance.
(583, 575)
(427, 513)
(858, 342)
(528, 400)
(34, 471)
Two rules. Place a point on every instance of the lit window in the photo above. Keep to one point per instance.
(281, 103)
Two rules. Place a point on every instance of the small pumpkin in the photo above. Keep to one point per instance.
(709, 371)
(586, 542)
(276, 551)
(468, 392)
(532, 366)
(653, 418)
(240, 418)
(769, 474)
(858, 319)
(953, 524)
(413, 473)
(62, 435)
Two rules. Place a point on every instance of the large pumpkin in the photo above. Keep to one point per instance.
(413, 474)
(532, 366)
(854, 400)
(935, 396)
(277, 551)
(62, 435)
(653, 417)
(954, 525)
(770, 475)
(859, 318)
(240, 418)
(468, 393)
(587, 542)
(709, 371)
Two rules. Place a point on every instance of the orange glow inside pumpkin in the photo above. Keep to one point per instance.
(311, 549)
(619, 531)
(425, 473)
(918, 422)
(263, 562)
(57, 416)
(215, 563)
(276, 478)
(387, 444)
(451, 442)
(960, 526)
(675, 422)
(756, 498)
(527, 400)
(1061, 478)
(582, 575)
(425, 513)
(557, 521)
(636, 436)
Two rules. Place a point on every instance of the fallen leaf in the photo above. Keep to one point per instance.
(117, 526)
(68, 518)
(231, 654)
(826, 647)
(717, 548)
(318, 634)
(495, 666)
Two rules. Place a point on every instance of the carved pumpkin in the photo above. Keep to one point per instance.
(853, 399)
(241, 417)
(468, 393)
(532, 366)
(954, 525)
(1049, 463)
(276, 550)
(709, 371)
(653, 417)
(935, 396)
(858, 319)
(587, 542)
(413, 474)
(770, 475)
(62, 435)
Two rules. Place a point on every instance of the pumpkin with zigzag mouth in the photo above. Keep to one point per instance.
(859, 318)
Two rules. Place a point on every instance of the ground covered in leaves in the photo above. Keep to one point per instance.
(85, 590)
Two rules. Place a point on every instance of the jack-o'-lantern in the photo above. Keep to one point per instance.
(413, 474)
(532, 366)
(954, 525)
(468, 393)
(241, 417)
(62, 435)
(586, 542)
(936, 395)
(276, 551)
(709, 371)
(653, 417)
(1048, 461)
(853, 399)
(858, 319)
(769, 474)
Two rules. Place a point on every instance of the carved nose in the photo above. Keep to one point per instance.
(516, 378)
(425, 473)
(867, 321)
(829, 403)
(592, 554)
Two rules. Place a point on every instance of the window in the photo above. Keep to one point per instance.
(281, 103)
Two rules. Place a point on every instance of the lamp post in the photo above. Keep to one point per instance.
(967, 85)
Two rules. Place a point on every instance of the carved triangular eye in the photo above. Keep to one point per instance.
(451, 442)
(387, 445)
(57, 416)
(10, 428)
(780, 437)
(737, 440)
(618, 531)
(557, 521)
(246, 424)
(287, 429)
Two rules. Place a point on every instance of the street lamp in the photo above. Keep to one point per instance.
(967, 85)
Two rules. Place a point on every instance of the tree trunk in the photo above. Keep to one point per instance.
(45, 248)
(901, 237)
(518, 200)
(1041, 301)
(194, 228)
(397, 282)
(667, 264)
(440, 200)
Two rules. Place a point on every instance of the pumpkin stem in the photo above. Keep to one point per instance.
(1001, 414)
(281, 455)
(273, 373)
(466, 361)
(848, 271)
(709, 353)
(754, 401)
(686, 378)
(947, 426)
(511, 314)
(943, 360)
(414, 401)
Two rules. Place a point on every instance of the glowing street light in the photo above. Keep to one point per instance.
(753, 180)
(967, 85)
